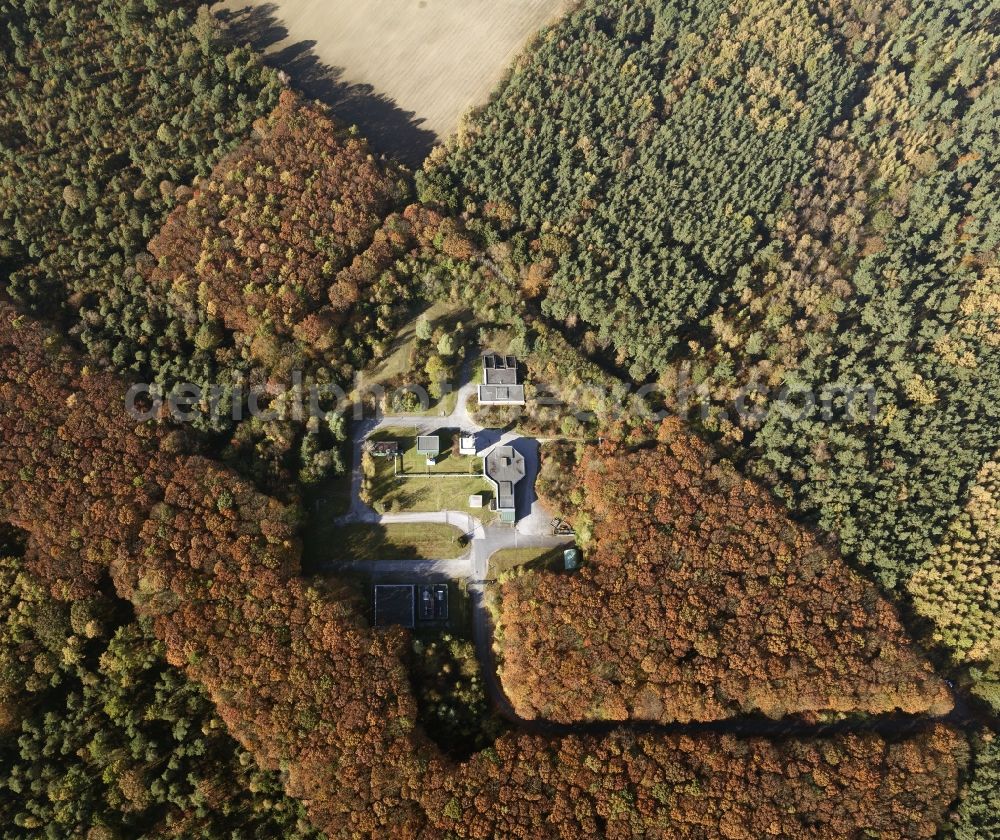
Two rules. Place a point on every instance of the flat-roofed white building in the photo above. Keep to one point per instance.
(501, 385)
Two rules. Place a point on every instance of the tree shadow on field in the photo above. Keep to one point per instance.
(389, 128)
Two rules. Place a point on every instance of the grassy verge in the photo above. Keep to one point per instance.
(396, 363)
(322, 505)
(509, 559)
(416, 541)
(395, 368)
(330, 498)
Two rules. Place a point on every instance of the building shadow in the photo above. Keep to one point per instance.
(524, 492)
(390, 130)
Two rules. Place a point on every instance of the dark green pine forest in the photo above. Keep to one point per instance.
(810, 205)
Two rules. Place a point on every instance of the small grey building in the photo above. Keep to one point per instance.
(430, 447)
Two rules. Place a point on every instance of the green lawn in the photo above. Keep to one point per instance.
(513, 558)
(331, 498)
(396, 363)
(444, 406)
(322, 505)
(410, 541)
(412, 490)
(434, 494)
(414, 462)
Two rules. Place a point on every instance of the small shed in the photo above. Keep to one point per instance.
(467, 443)
(571, 559)
(476, 500)
(430, 447)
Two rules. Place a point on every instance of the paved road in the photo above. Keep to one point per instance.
(430, 570)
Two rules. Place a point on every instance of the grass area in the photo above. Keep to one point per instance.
(446, 461)
(535, 558)
(330, 498)
(413, 490)
(322, 505)
(395, 367)
(396, 363)
(433, 494)
(443, 407)
(409, 541)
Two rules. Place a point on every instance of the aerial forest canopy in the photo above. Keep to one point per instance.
(701, 600)
(712, 197)
(739, 198)
(299, 680)
(708, 111)
(142, 228)
(100, 733)
(109, 109)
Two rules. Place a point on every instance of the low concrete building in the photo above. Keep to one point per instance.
(501, 381)
(504, 468)
(467, 443)
(476, 501)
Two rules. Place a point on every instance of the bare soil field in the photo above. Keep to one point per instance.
(403, 70)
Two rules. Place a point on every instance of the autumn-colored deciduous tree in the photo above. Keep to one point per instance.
(630, 786)
(142, 752)
(295, 674)
(289, 267)
(754, 196)
(286, 236)
(307, 687)
(701, 600)
(958, 587)
(107, 107)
